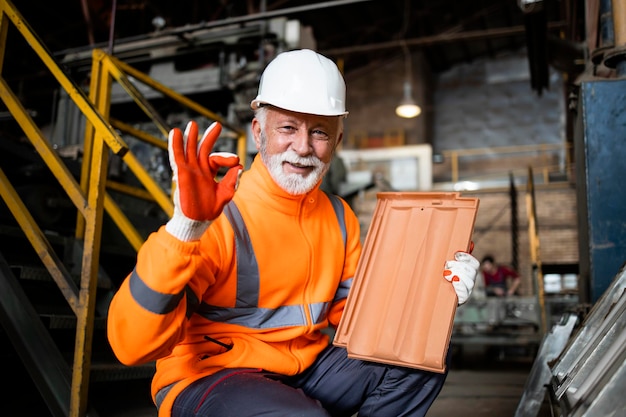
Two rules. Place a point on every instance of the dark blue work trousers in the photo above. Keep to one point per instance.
(334, 385)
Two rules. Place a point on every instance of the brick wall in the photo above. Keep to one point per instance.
(481, 104)
(490, 102)
(556, 220)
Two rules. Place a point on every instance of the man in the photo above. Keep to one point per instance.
(500, 280)
(232, 306)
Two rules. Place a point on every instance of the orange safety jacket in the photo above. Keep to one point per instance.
(255, 291)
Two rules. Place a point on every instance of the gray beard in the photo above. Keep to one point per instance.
(294, 184)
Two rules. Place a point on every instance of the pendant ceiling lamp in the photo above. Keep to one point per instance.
(407, 108)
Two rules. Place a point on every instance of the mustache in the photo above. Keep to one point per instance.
(293, 158)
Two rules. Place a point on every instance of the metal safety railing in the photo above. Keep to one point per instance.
(542, 155)
(89, 195)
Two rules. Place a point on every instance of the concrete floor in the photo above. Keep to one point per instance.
(486, 382)
(480, 393)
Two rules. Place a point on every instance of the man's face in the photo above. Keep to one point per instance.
(296, 148)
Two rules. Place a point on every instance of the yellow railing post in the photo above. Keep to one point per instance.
(535, 252)
(93, 180)
(455, 166)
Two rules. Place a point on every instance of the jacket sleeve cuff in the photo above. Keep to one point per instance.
(186, 229)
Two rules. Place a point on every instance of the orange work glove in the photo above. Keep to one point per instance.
(198, 197)
(462, 272)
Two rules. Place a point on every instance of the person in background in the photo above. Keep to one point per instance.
(500, 280)
(231, 296)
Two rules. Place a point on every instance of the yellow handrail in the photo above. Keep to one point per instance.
(89, 196)
(89, 204)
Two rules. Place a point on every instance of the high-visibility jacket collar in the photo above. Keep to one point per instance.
(258, 180)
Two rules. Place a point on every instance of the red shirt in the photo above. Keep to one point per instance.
(499, 276)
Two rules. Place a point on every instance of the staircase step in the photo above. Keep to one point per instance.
(112, 371)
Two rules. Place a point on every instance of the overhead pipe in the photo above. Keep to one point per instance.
(224, 22)
(112, 27)
(88, 22)
(616, 58)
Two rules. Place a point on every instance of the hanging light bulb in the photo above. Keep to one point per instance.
(408, 108)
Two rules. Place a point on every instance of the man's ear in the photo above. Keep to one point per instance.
(256, 133)
(339, 140)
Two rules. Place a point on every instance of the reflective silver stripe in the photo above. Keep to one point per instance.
(343, 290)
(151, 300)
(255, 317)
(319, 312)
(339, 212)
(344, 287)
(246, 311)
(247, 266)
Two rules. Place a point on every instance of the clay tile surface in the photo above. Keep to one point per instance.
(401, 309)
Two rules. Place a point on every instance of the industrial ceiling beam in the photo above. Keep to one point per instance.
(438, 39)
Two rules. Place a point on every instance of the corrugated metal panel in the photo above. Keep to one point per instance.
(401, 310)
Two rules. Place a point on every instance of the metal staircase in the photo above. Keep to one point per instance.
(66, 238)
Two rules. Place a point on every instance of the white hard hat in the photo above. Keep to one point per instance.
(303, 81)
